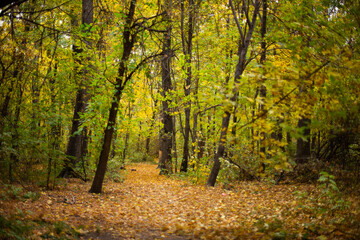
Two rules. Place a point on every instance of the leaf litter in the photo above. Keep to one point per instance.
(149, 206)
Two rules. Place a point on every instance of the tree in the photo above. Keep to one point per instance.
(129, 38)
(244, 43)
(166, 134)
(77, 144)
(187, 45)
(130, 31)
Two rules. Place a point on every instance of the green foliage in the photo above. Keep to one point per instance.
(115, 166)
(17, 193)
(14, 229)
(329, 202)
(311, 70)
(274, 229)
(12, 192)
(330, 192)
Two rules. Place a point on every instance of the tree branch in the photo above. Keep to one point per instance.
(236, 20)
(128, 77)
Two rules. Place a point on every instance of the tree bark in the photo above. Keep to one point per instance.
(262, 90)
(187, 86)
(303, 146)
(77, 144)
(165, 143)
(244, 43)
(121, 80)
(174, 144)
(127, 136)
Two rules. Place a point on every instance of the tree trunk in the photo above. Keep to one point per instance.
(187, 86)
(127, 136)
(55, 130)
(220, 150)
(148, 137)
(174, 144)
(121, 80)
(78, 140)
(244, 43)
(165, 143)
(303, 146)
(262, 90)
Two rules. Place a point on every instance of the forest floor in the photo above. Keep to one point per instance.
(149, 206)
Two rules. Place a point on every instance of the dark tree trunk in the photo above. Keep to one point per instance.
(244, 43)
(220, 150)
(55, 130)
(104, 155)
(77, 144)
(262, 90)
(198, 148)
(303, 146)
(174, 144)
(147, 145)
(201, 143)
(15, 136)
(187, 86)
(127, 136)
(165, 144)
(121, 80)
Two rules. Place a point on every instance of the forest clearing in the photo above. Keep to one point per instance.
(149, 206)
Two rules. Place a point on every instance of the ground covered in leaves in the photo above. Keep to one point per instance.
(149, 206)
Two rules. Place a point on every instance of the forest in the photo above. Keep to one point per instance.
(180, 119)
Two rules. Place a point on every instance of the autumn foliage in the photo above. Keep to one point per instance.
(258, 99)
(149, 206)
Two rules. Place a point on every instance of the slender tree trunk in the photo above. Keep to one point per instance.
(303, 146)
(262, 90)
(174, 144)
(240, 67)
(55, 130)
(127, 136)
(148, 137)
(196, 137)
(18, 75)
(201, 142)
(165, 144)
(15, 136)
(187, 86)
(121, 80)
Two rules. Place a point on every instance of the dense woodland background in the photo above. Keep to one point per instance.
(259, 98)
(221, 91)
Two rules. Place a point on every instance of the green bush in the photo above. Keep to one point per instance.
(14, 229)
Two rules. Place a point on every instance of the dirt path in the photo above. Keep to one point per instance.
(149, 206)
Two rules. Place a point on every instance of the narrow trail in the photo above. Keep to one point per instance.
(149, 206)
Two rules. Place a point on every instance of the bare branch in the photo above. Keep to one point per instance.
(236, 20)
